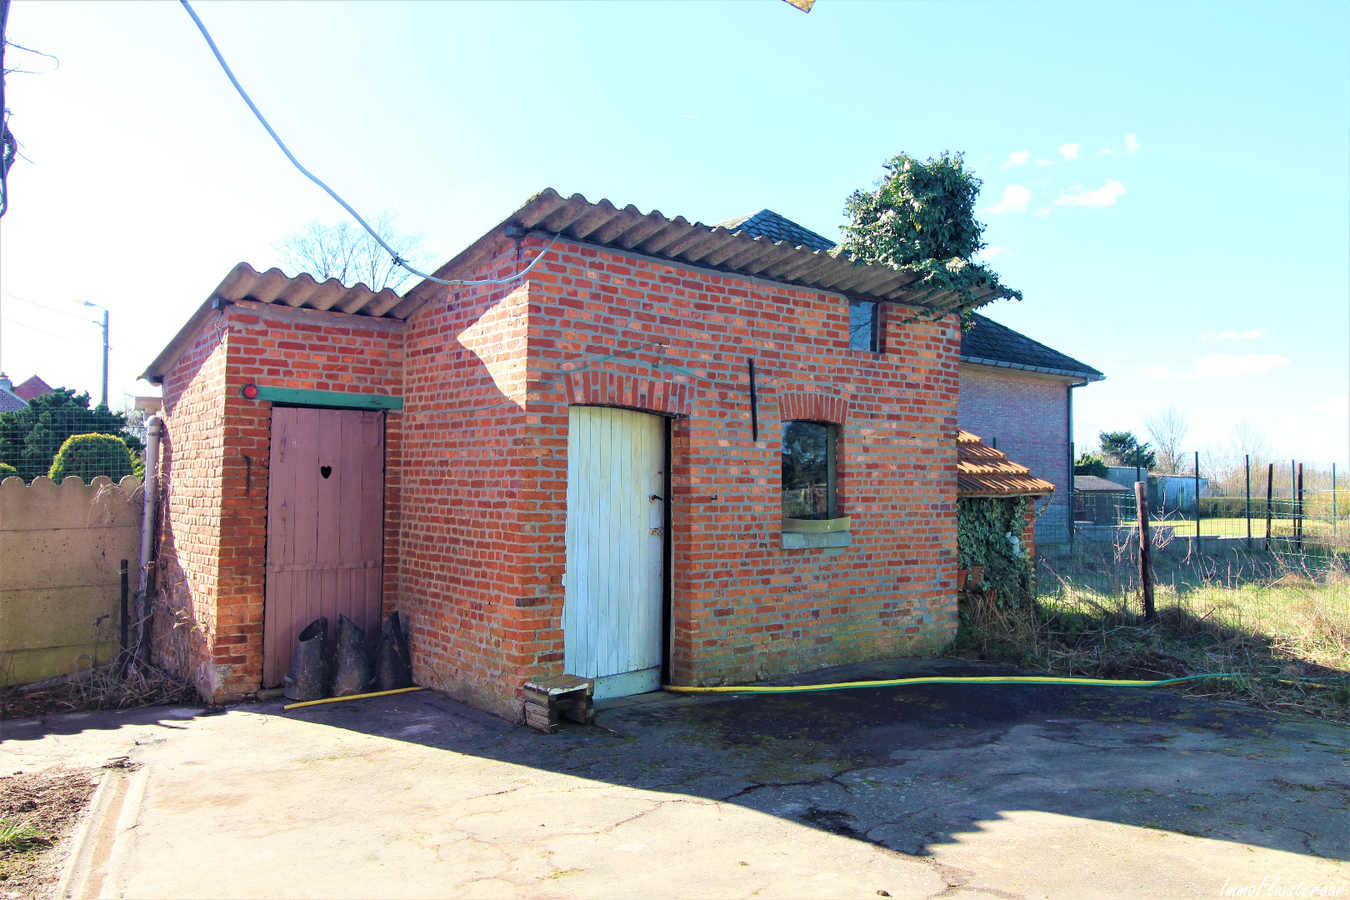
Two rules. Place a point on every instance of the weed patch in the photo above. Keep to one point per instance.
(1277, 627)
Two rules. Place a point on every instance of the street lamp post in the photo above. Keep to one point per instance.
(105, 349)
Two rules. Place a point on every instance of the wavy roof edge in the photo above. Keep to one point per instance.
(677, 240)
(274, 286)
(985, 471)
(577, 219)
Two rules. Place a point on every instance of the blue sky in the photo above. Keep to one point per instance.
(1169, 184)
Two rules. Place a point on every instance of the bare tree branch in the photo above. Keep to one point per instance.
(349, 254)
(1168, 430)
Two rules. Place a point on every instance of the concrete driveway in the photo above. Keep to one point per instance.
(952, 791)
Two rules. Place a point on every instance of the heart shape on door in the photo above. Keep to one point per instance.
(325, 471)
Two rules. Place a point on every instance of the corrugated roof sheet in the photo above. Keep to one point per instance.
(705, 246)
(982, 471)
(770, 224)
(990, 344)
(275, 286)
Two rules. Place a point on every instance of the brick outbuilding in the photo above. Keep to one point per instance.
(575, 468)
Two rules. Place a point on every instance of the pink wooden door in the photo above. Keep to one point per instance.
(325, 527)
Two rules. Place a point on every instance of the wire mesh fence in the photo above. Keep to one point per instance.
(59, 435)
(1273, 506)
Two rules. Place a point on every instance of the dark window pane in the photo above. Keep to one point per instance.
(806, 470)
(862, 325)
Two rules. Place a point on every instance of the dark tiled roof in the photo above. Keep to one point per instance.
(10, 402)
(769, 224)
(991, 344)
(1093, 484)
(982, 471)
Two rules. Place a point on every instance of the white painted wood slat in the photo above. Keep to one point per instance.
(612, 610)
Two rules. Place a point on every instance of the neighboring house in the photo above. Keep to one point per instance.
(9, 400)
(1166, 493)
(1098, 501)
(668, 452)
(1017, 394)
(33, 388)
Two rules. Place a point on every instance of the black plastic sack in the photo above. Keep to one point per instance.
(351, 663)
(308, 678)
(393, 664)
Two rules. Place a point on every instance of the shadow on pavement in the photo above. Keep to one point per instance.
(913, 768)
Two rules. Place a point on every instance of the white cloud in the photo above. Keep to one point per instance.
(1043, 211)
(994, 252)
(1015, 199)
(1044, 162)
(1220, 365)
(1106, 195)
(1252, 335)
(1069, 151)
(1019, 158)
(1131, 146)
(1336, 406)
(1223, 364)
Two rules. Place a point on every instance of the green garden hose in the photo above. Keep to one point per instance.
(897, 682)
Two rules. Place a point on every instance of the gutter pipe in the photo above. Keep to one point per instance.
(154, 427)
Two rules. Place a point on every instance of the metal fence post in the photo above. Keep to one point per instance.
(1197, 501)
(1247, 465)
(1270, 494)
(1298, 513)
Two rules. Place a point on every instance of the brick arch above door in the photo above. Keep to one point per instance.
(813, 405)
(640, 392)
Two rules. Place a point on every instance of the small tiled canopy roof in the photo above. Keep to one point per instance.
(982, 471)
(1092, 484)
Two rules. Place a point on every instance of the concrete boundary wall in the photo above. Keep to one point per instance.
(60, 584)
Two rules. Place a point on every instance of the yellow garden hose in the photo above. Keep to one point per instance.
(897, 682)
(350, 697)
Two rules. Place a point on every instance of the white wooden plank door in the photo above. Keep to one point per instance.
(613, 582)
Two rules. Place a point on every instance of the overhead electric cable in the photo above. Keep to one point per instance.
(398, 260)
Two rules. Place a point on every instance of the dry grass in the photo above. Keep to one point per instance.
(102, 688)
(1278, 627)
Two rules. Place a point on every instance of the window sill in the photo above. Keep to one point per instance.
(816, 540)
(816, 526)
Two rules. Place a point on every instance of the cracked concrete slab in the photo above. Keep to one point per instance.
(941, 790)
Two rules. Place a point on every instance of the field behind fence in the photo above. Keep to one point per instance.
(1284, 506)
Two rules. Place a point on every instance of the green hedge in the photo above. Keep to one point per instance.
(92, 455)
(7, 470)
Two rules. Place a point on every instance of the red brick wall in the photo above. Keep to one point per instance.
(476, 496)
(484, 516)
(216, 457)
(1029, 416)
(191, 452)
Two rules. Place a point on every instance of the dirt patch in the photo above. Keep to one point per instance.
(39, 809)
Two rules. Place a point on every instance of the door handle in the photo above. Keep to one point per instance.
(656, 497)
(657, 532)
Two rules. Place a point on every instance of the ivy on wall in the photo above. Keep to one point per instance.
(985, 531)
